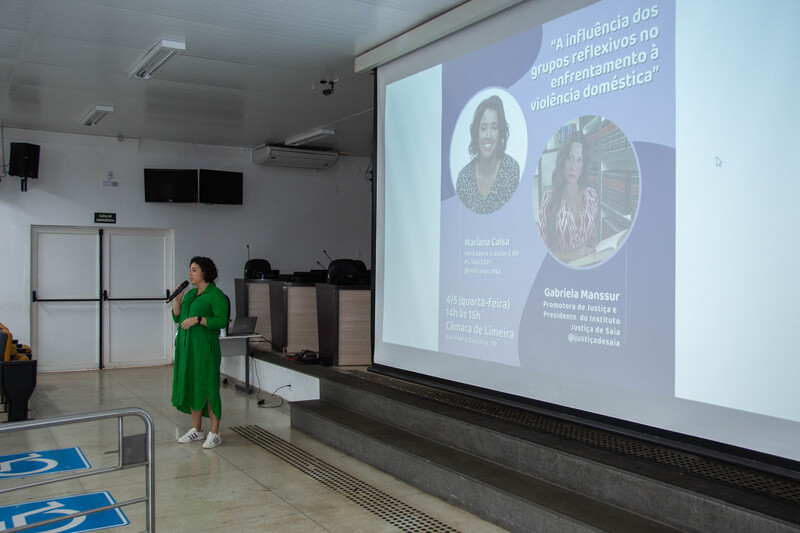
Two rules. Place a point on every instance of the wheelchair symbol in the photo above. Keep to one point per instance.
(7, 467)
(52, 508)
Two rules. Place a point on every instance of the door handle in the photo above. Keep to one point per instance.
(107, 298)
(35, 298)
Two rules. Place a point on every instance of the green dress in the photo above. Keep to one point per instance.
(195, 380)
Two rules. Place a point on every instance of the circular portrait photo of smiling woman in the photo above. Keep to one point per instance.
(487, 151)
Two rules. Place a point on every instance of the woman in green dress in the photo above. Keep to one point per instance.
(201, 313)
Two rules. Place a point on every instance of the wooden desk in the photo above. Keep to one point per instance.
(252, 299)
(345, 324)
(293, 314)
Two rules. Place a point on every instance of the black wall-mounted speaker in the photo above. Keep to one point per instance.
(24, 160)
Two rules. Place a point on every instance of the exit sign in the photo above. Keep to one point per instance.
(105, 218)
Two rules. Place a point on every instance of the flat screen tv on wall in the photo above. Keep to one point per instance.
(170, 185)
(220, 187)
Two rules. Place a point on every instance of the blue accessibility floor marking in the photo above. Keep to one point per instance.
(42, 462)
(28, 513)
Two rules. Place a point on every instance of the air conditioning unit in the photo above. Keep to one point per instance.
(293, 157)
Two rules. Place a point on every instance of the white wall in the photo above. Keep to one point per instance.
(289, 215)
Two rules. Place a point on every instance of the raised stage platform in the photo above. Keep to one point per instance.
(526, 471)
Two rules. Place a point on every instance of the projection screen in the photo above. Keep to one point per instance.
(590, 205)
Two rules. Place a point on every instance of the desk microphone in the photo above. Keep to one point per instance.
(326, 255)
(179, 290)
(323, 266)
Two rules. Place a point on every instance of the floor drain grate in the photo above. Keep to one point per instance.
(377, 502)
(681, 461)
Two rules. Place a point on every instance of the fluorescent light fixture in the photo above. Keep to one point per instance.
(96, 114)
(156, 58)
(308, 137)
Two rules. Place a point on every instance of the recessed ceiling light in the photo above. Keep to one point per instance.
(96, 114)
(307, 137)
(156, 58)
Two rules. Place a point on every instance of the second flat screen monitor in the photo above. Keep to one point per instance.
(220, 187)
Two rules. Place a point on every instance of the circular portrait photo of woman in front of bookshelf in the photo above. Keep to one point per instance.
(586, 191)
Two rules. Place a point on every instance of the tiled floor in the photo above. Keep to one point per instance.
(235, 487)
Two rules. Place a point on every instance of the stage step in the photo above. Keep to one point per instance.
(484, 464)
(510, 499)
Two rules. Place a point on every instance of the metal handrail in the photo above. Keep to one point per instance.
(148, 463)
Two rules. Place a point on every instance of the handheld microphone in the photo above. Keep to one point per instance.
(326, 255)
(179, 290)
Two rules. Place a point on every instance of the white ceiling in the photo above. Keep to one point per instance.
(250, 73)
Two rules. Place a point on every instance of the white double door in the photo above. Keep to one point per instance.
(98, 297)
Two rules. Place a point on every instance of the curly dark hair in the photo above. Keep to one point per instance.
(207, 266)
(496, 104)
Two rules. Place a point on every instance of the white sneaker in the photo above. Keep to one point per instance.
(212, 441)
(191, 436)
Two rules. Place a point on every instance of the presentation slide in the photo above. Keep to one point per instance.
(594, 211)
